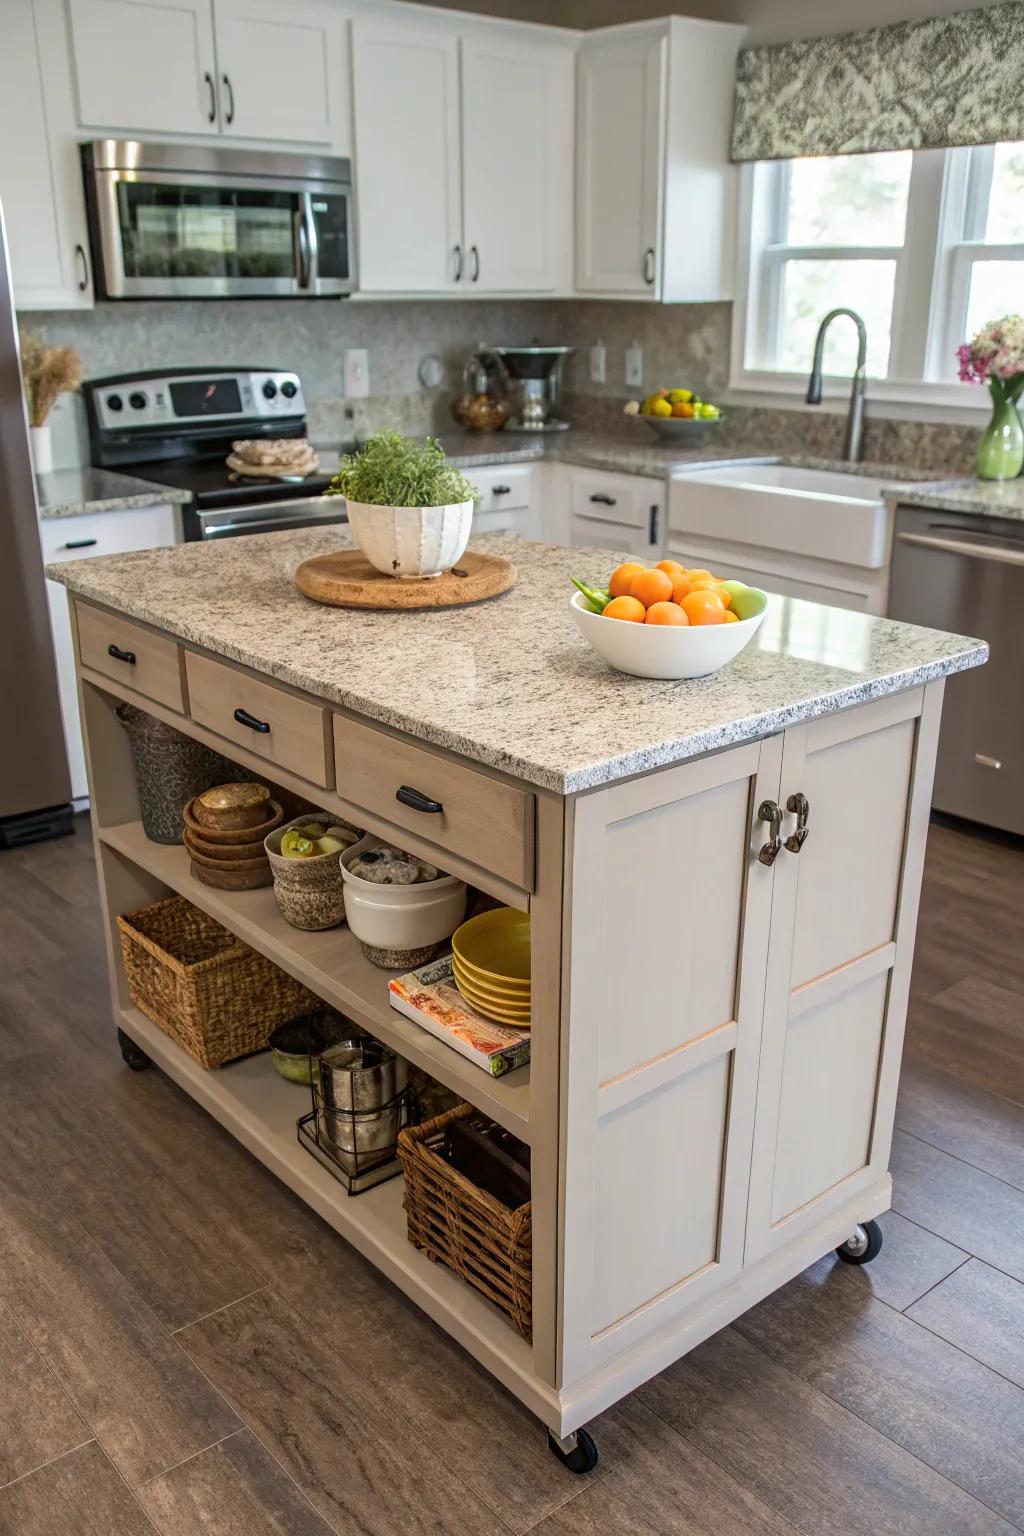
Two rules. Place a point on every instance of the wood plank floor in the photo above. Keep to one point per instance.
(185, 1349)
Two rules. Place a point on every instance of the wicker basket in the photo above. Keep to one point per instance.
(453, 1221)
(212, 994)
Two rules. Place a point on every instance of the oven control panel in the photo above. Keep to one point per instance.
(187, 398)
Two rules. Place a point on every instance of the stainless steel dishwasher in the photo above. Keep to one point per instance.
(959, 572)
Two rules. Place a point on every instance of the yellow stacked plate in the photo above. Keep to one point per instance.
(491, 960)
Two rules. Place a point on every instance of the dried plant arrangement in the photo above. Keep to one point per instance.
(47, 372)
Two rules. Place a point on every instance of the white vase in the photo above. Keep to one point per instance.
(411, 541)
(42, 448)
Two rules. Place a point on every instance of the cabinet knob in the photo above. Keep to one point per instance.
(769, 812)
(799, 806)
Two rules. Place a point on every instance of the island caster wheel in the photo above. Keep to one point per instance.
(577, 1452)
(863, 1246)
(133, 1054)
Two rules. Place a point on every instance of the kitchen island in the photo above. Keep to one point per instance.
(718, 1001)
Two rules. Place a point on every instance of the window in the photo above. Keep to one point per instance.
(925, 245)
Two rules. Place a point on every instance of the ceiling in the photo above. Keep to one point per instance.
(769, 21)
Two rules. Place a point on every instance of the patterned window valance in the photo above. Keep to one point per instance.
(919, 85)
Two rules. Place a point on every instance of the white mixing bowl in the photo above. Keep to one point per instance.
(665, 650)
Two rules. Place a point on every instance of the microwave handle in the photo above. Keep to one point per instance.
(304, 243)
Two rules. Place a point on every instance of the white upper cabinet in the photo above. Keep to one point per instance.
(40, 176)
(145, 65)
(281, 71)
(407, 157)
(517, 154)
(655, 192)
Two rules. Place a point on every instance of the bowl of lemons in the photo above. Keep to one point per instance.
(675, 413)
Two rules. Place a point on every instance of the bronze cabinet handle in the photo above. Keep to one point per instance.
(211, 116)
(416, 800)
(649, 268)
(475, 274)
(229, 116)
(83, 268)
(244, 718)
(128, 657)
(799, 806)
(768, 811)
(457, 253)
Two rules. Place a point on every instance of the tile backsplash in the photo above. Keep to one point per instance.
(680, 342)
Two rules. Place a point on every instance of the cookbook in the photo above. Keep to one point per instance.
(430, 996)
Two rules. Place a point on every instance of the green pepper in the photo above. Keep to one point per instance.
(597, 597)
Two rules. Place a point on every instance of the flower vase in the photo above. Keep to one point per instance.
(42, 448)
(1001, 450)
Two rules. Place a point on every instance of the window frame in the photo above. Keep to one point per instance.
(947, 207)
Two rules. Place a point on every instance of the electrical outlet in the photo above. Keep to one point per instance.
(634, 365)
(356, 362)
(598, 358)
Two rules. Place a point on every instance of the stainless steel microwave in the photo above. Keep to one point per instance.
(180, 221)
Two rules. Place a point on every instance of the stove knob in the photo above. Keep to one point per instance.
(269, 390)
(137, 400)
(289, 389)
(115, 403)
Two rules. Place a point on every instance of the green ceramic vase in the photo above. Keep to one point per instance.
(1001, 450)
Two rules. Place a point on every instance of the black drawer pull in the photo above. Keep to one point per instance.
(244, 718)
(603, 500)
(417, 802)
(501, 490)
(80, 543)
(652, 525)
(119, 655)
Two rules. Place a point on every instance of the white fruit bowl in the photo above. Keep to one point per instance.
(665, 650)
(411, 541)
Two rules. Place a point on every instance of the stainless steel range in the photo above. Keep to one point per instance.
(176, 427)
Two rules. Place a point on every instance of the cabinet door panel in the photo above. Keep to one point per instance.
(666, 987)
(516, 113)
(407, 157)
(619, 133)
(285, 69)
(118, 44)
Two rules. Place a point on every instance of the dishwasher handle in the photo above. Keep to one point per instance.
(1002, 554)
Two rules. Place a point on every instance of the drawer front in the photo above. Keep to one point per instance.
(501, 487)
(482, 819)
(151, 664)
(286, 730)
(619, 499)
(107, 533)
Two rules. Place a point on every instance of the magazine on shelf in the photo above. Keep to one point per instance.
(430, 997)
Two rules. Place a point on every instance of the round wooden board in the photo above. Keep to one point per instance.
(348, 580)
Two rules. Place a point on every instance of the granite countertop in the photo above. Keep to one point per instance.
(70, 492)
(510, 683)
(984, 498)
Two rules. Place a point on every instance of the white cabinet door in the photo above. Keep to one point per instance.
(407, 157)
(40, 174)
(145, 65)
(669, 941)
(282, 71)
(517, 165)
(844, 911)
(620, 157)
(78, 538)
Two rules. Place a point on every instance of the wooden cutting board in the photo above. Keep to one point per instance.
(348, 580)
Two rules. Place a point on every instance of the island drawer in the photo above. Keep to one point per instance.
(130, 654)
(279, 726)
(480, 818)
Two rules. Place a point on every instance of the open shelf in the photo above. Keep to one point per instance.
(260, 1109)
(332, 965)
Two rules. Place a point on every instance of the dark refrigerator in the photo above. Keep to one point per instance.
(35, 787)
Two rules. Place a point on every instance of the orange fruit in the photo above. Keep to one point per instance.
(709, 584)
(626, 607)
(732, 618)
(621, 577)
(680, 586)
(672, 568)
(698, 572)
(651, 587)
(703, 607)
(683, 408)
(666, 613)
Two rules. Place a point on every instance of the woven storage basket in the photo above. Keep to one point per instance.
(212, 994)
(453, 1221)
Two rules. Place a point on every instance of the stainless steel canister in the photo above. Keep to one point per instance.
(360, 1079)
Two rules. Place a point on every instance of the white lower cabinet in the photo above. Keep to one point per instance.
(736, 1022)
(506, 499)
(78, 538)
(613, 511)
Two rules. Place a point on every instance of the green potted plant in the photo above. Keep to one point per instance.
(410, 510)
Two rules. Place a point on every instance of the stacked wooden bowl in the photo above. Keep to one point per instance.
(224, 831)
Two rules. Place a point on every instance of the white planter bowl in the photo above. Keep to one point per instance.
(664, 650)
(411, 541)
(401, 917)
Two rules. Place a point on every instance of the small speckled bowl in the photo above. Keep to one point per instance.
(310, 893)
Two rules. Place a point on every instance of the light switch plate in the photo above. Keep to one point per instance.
(356, 363)
(634, 365)
(598, 363)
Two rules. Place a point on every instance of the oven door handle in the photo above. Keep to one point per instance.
(255, 524)
(1001, 554)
